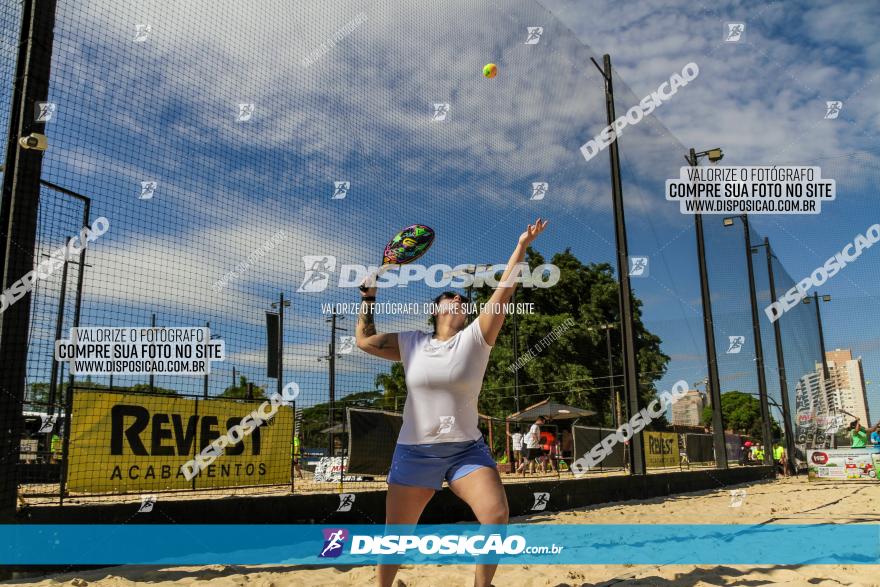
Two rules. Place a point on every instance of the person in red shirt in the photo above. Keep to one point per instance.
(548, 450)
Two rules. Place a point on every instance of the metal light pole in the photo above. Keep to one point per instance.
(627, 326)
(280, 305)
(19, 202)
(780, 362)
(331, 360)
(759, 349)
(714, 381)
(205, 381)
(153, 325)
(825, 298)
(616, 415)
(515, 352)
(615, 402)
(59, 327)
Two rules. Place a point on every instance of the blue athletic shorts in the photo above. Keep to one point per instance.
(428, 465)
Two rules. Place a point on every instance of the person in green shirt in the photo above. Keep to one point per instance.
(296, 453)
(859, 434)
(55, 448)
(779, 459)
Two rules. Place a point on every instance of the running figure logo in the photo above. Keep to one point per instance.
(333, 542)
(47, 425)
(534, 35)
(340, 190)
(346, 345)
(541, 501)
(539, 190)
(440, 112)
(832, 109)
(317, 275)
(245, 112)
(446, 424)
(45, 111)
(148, 189)
(346, 500)
(735, 344)
(142, 31)
(638, 266)
(734, 31)
(737, 496)
(147, 503)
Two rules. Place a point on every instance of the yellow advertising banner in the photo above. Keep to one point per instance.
(661, 449)
(124, 442)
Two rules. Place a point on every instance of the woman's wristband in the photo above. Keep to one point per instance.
(368, 298)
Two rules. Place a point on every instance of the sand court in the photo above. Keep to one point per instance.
(784, 501)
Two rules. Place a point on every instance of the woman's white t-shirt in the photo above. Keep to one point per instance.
(443, 382)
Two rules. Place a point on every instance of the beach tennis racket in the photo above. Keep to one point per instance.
(405, 247)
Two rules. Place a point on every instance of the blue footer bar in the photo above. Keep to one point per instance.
(180, 544)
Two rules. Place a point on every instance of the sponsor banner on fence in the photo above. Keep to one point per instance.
(661, 449)
(331, 468)
(516, 544)
(123, 442)
(844, 464)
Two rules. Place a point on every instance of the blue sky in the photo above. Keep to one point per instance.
(165, 110)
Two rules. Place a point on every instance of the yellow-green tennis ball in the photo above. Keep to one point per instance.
(490, 70)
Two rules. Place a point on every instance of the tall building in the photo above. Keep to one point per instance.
(688, 411)
(810, 396)
(845, 390)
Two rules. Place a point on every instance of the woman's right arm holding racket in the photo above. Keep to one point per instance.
(378, 344)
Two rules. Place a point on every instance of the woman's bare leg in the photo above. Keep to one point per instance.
(403, 505)
(483, 492)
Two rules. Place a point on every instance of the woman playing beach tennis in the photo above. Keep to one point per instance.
(439, 440)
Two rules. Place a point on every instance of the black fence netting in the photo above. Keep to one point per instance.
(250, 161)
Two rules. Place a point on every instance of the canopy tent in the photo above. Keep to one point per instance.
(551, 409)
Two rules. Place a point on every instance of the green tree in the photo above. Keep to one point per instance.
(573, 369)
(145, 388)
(317, 417)
(394, 387)
(741, 412)
(37, 395)
(240, 391)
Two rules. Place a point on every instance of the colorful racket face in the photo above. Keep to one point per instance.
(408, 245)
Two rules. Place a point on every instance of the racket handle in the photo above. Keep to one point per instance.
(374, 276)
